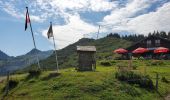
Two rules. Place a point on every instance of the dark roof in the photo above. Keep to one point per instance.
(146, 39)
(86, 48)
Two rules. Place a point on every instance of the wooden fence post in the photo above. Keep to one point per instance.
(7, 87)
(7, 84)
(157, 78)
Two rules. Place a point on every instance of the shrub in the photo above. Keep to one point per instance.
(51, 75)
(146, 82)
(33, 73)
(164, 80)
(12, 84)
(113, 61)
(105, 63)
(133, 78)
(134, 67)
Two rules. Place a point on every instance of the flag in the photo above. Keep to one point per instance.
(27, 19)
(50, 31)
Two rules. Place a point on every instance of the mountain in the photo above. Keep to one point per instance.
(33, 52)
(67, 56)
(23, 61)
(3, 56)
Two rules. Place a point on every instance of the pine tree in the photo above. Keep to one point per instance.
(168, 35)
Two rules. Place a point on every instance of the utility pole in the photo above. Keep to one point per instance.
(7, 86)
(157, 78)
(98, 32)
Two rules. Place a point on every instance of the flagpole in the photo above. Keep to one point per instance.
(34, 41)
(98, 32)
(55, 51)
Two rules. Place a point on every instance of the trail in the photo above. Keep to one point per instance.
(2, 79)
(167, 97)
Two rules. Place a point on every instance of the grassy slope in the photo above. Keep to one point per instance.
(68, 56)
(89, 85)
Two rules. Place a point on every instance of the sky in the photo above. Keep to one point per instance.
(75, 19)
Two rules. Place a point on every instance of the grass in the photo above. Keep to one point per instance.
(98, 85)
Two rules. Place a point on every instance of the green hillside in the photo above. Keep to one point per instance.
(20, 62)
(98, 85)
(68, 56)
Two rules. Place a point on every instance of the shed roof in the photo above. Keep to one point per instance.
(86, 48)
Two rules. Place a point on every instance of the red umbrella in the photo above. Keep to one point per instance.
(161, 50)
(120, 51)
(140, 50)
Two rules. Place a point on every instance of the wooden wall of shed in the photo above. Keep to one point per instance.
(86, 61)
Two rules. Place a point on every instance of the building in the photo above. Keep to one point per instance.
(151, 43)
(86, 58)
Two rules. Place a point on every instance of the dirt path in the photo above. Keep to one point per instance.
(2, 79)
(167, 97)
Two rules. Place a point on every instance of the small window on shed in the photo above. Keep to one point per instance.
(149, 43)
(157, 42)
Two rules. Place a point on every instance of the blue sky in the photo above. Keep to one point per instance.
(74, 19)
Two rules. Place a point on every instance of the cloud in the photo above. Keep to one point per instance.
(41, 10)
(146, 23)
(36, 18)
(124, 15)
(72, 31)
(10, 8)
(133, 7)
(81, 5)
(134, 17)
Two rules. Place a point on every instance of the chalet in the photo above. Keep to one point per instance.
(86, 58)
(151, 43)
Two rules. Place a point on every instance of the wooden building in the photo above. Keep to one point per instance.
(86, 58)
(151, 43)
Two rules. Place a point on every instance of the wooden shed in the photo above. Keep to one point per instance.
(86, 58)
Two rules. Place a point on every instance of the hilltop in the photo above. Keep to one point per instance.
(98, 85)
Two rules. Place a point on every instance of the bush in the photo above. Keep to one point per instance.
(133, 78)
(113, 61)
(164, 80)
(134, 67)
(12, 84)
(105, 63)
(51, 75)
(33, 73)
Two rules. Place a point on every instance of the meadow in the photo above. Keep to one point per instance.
(98, 85)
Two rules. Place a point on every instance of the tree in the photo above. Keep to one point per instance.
(163, 34)
(115, 35)
(168, 35)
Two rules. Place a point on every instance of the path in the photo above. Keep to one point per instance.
(2, 79)
(167, 97)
